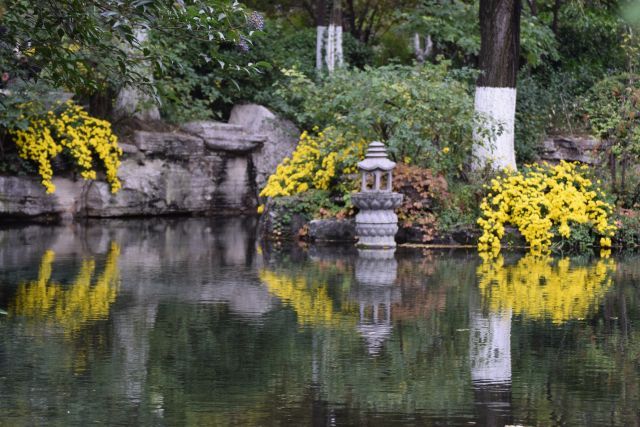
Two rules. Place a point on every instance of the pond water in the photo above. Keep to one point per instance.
(193, 322)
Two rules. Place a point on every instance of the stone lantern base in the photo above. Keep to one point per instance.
(376, 223)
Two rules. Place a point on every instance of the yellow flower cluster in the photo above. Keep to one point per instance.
(312, 304)
(543, 202)
(70, 307)
(539, 287)
(315, 164)
(83, 137)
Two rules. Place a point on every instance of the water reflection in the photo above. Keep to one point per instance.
(540, 287)
(490, 364)
(308, 298)
(376, 273)
(204, 330)
(536, 287)
(69, 307)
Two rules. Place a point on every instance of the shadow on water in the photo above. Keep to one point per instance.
(195, 322)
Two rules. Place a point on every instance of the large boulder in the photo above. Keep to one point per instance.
(571, 149)
(280, 137)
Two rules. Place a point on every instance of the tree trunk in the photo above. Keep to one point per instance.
(422, 53)
(321, 31)
(130, 101)
(556, 16)
(334, 55)
(495, 98)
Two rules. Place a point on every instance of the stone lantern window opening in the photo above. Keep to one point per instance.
(371, 313)
(377, 180)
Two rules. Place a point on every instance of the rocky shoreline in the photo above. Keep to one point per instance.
(199, 168)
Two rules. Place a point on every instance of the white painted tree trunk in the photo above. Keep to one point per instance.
(331, 48)
(334, 55)
(422, 53)
(339, 53)
(132, 102)
(498, 105)
(321, 32)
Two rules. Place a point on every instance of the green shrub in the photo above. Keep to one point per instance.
(590, 41)
(423, 114)
(198, 87)
(612, 108)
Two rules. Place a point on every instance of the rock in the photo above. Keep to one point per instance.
(279, 222)
(168, 144)
(129, 148)
(26, 197)
(281, 137)
(224, 137)
(200, 182)
(131, 101)
(466, 235)
(211, 183)
(206, 167)
(207, 129)
(571, 149)
(332, 230)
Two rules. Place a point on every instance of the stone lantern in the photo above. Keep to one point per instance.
(376, 223)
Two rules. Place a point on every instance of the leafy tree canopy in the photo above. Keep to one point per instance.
(81, 44)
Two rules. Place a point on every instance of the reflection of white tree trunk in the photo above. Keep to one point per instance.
(490, 347)
(490, 360)
(131, 102)
(131, 330)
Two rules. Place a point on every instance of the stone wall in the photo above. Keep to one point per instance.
(202, 167)
(571, 149)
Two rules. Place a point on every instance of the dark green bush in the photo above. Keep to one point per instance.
(424, 114)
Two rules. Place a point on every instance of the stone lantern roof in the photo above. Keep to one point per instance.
(376, 159)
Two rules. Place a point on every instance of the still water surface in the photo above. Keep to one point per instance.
(193, 322)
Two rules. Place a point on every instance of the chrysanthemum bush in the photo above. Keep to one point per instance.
(85, 139)
(546, 204)
(321, 162)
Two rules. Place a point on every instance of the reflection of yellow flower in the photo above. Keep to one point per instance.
(72, 306)
(539, 287)
(311, 303)
(605, 242)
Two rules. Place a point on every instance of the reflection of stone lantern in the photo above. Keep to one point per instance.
(376, 272)
(376, 223)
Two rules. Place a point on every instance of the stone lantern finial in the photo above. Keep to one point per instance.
(376, 223)
(377, 163)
